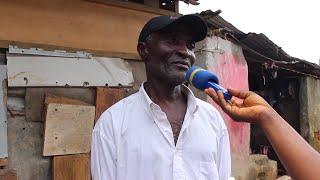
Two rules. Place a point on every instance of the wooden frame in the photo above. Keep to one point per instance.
(108, 29)
(139, 7)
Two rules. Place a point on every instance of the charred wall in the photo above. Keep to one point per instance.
(280, 89)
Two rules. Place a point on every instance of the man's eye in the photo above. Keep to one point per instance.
(173, 40)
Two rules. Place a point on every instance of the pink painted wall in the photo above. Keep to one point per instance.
(226, 60)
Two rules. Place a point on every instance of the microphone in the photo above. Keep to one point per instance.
(203, 79)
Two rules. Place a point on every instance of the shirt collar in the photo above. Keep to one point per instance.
(192, 102)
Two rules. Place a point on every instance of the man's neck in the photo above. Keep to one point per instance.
(161, 93)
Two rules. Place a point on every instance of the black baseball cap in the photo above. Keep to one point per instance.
(195, 24)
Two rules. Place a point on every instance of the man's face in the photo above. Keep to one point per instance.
(169, 55)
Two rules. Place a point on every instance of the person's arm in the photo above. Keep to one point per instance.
(224, 158)
(103, 151)
(298, 157)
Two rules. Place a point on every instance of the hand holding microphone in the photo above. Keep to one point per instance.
(203, 79)
(248, 110)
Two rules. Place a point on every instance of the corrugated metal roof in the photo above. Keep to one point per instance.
(216, 22)
(193, 2)
(258, 47)
(263, 45)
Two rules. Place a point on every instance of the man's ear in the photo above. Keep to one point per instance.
(142, 50)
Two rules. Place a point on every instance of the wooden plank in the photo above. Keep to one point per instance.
(8, 174)
(151, 6)
(3, 112)
(77, 25)
(71, 167)
(34, 99)
(49, 98)
(106, 97)
(68, 129)
(35, 71)
(123, 55)
(3, 161)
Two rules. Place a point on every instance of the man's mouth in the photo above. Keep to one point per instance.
(182, 64)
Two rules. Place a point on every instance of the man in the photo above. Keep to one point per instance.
(163, 132)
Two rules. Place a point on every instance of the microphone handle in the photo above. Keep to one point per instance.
(216, 87)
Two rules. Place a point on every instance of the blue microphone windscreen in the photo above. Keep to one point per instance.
(199, 77)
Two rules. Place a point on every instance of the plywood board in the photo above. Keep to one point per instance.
(49, 99)
(106, 97)
(77, 24)
(35, 71)
(34, 99)
(3, 112)
(68, 129)
(71, 167)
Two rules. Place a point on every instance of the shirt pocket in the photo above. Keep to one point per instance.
(208, 171)
(129, 162)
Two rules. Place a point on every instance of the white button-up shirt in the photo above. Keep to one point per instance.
(133, 140)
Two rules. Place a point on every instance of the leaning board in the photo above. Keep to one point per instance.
(68, 129)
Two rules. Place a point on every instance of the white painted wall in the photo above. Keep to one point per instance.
(27, 71)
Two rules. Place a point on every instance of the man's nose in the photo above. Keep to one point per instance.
(185, 53)
(183, 50)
